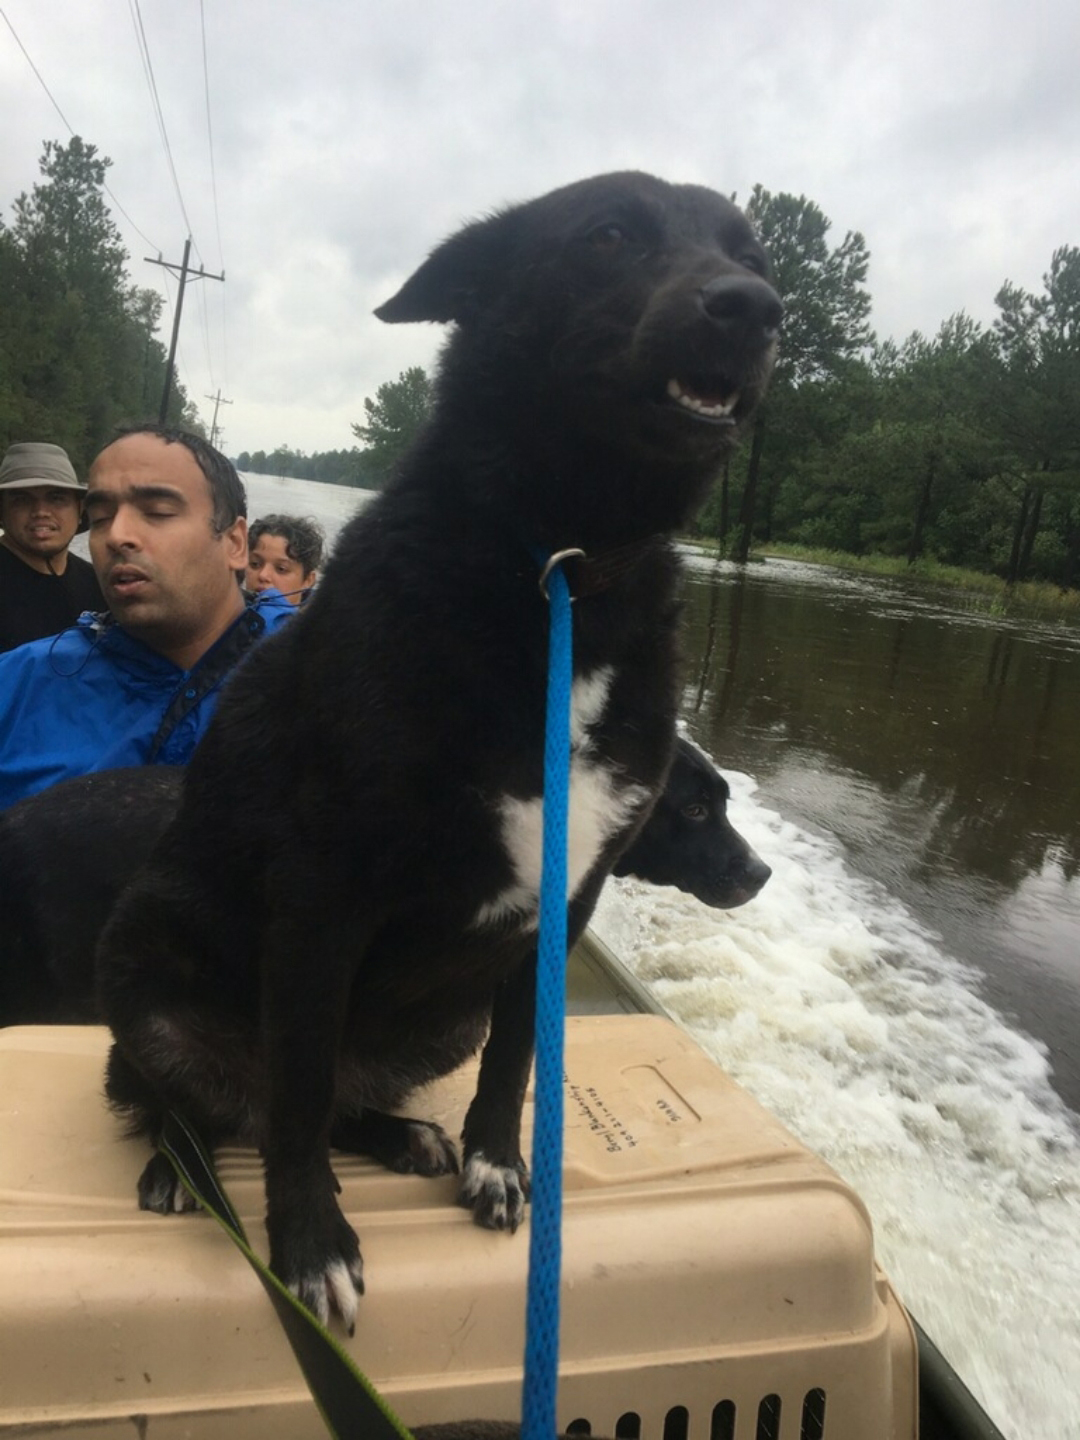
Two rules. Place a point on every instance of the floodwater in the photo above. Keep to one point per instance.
(939, 747)
(905, 992)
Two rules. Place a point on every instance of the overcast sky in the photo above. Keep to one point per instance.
(349, 137)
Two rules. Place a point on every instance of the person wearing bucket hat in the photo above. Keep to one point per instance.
(43, 587)
(138, 684)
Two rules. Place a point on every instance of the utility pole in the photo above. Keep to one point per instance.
(213, 424)
(183, 270)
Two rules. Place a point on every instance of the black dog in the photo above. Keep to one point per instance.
(348, 894)
(66, 854)
(688, 840)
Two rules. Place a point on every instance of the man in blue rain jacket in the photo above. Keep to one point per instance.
(138, 685)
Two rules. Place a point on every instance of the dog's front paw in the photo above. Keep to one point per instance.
(321, 1264)
(160, 1189)
(410, 1147)
(332, 1289)
(496, 1194)
(428, 1150)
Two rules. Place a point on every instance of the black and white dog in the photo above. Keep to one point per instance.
(66, 854)
(688, 840)
(347, 898)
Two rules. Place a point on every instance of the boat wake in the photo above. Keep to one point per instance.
(832, 1005)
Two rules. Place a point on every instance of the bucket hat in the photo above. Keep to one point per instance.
(32, 462)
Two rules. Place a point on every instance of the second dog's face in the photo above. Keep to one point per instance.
(641, 307)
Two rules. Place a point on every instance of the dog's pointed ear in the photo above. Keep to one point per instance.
(451, 280)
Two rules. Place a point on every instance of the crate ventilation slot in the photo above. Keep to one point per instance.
(722, 1426)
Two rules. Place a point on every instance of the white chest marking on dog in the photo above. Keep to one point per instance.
(599, 806)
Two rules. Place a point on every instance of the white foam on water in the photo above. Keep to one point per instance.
(831, 1004)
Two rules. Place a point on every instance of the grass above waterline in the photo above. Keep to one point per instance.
(985, 592)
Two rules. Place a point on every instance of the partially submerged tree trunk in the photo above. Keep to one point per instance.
(922, 509)
(1072, 555)
(1018, 537)
(749, 499)
(1029, 534)
(725, 502)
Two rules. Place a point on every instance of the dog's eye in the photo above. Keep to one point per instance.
(607, 238)
(696, 812)
(754, 262)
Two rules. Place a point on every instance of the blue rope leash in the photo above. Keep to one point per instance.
(545, 1226)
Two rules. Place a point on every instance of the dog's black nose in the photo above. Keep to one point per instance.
(744, 302)
(755, 873)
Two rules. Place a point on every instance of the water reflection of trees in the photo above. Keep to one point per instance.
(733, 590)
(984, 717)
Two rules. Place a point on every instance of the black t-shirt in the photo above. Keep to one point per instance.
(33, 605)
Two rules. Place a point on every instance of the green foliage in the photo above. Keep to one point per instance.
(825, 331)
(77, 349)
(987, 592)
(826, 305)
(393, 420)
(332, 467)
(1035, 397)
(960, 450)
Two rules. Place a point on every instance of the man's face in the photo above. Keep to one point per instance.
(40, 521)
(167, 576)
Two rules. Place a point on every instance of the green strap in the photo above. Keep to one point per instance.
(351, 1407)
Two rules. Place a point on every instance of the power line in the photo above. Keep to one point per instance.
(205, 316)
(183, 270)
(210, 133)
(37, 72)
(217, 212)
(151, 81)
(53, 101)
(182, 367)
(213, 424)
(148, 71)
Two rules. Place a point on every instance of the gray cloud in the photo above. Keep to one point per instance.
(349, 138)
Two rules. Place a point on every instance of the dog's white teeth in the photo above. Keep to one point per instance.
(717, 410)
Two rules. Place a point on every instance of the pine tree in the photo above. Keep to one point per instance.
(825, 321)
(394, 419)
(77, 348)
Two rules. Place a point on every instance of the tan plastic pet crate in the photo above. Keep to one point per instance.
(718, 1279)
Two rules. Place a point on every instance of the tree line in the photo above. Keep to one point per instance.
(392, 419)
(963, 447)
(333, 467)
(78, 348)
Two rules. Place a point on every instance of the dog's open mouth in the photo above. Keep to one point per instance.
(716, 405)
